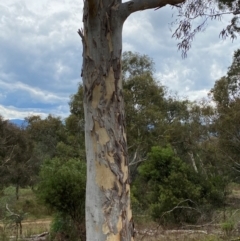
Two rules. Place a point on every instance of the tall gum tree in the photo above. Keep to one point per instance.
(108, 212)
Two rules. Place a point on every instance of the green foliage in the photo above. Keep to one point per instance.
(155, 117)
(233, 28)
(144, 111)
(7, 196)
(228, 227)
(172, 191)
(45, 134)
(169, 182)
(16, 159)
(226, 94)
(76, 104)
(62, 188)
(231, 4)
(27, 203)
(63, 228)
(74, 124)
(134, 64)
(145, 105)
(75, 136)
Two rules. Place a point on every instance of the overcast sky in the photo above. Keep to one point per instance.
(40, 55)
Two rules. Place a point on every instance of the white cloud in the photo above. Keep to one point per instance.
(10, 112)
(196, 95)
(35, 93)
(216, 71)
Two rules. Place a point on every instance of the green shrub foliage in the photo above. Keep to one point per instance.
(172, 191)
(63, 228)
(62, 188)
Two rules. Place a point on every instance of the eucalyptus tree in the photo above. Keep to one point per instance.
(226, 94)
(144, 106)
(16, 156)
(75, 124)
(233, 7)
(108, 212)
(45, 134)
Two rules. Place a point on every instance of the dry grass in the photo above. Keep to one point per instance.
(225, 226)
(29, 228)
(181, 237)
(37, 227)
(36, 218)
(208, 233)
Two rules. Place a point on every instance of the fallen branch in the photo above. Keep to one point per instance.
(182, 231)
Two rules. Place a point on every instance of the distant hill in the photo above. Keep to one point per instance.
(17, 122)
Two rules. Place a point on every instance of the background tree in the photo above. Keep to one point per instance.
(172, 191)
(16, 156)
(75, 124)
(46, 134)
(155, 116)
(144, 106)
(226, 94)
(233, 6)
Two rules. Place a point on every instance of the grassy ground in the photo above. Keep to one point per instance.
(27, 203)
(37, 219)
(224, 226)
(29, 228)
(210, 232)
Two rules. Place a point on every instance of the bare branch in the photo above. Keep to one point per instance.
(130, 7)
(136, 162)
(193, 161)
(10, 156)
(9, 209)
(182, 207)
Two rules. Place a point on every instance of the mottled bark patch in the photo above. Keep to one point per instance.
(108, 212)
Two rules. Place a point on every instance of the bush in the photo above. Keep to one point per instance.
(62, 188)
(63, 228)
(172, 191)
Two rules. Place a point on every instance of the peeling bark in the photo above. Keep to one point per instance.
(108, 212)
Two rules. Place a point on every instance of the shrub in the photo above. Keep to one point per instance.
(62, 188)
(172, 191)
(63, 228)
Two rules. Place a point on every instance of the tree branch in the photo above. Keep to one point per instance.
(182, 207)
(132, 6)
